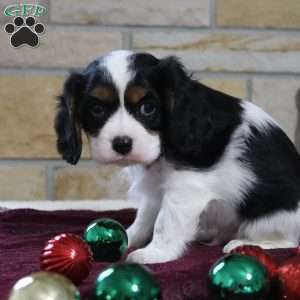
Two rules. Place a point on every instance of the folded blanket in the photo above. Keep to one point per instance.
(23, 234)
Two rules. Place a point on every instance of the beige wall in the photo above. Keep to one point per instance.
(250, 49)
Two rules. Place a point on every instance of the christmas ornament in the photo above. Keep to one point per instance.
(107, 239)
(289, 277)
(238, 277)
(263, 257)
(44, 286)
(127, 281)
(68, 255)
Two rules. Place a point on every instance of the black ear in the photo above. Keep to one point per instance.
(67, 125)
(168, 74)
(197, 121)
(188, 126)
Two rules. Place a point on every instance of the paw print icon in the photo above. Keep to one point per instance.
(24, 31)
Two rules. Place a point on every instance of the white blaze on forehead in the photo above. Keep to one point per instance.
(117, 64)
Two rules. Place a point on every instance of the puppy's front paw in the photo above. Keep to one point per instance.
(140, 256)
(149, 255)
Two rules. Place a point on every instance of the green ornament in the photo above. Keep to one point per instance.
(238, 277)
(44, 286)
(127, 282)
(107, 239)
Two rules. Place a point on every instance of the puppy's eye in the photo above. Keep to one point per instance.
(97, 111)
(148, 109)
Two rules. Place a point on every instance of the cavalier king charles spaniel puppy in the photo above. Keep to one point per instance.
(205, 166)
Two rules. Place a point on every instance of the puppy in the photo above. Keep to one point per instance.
(205, 166)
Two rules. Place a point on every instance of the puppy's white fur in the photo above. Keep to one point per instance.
(116, 64)
(278, 231)
(185, 195)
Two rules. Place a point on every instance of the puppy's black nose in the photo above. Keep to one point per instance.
(122, 144)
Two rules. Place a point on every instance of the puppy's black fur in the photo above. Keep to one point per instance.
(67, 123)
(276, 164)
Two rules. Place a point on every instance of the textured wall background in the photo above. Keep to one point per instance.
(250, 49)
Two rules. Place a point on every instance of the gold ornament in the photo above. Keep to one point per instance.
(44, 286)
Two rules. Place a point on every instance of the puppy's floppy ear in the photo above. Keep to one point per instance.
(168, 77)
(67, 125)
(169, 74)
(197, 120)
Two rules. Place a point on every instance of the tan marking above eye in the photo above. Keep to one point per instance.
(134, 94)
(103, 93)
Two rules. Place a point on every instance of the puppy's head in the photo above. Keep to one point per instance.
(121, 101)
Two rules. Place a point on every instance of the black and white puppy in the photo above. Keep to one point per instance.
(205, 166)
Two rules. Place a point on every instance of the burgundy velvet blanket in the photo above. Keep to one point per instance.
(23, 234)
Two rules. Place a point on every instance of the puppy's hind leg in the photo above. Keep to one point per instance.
(218, 224)
(281, 230)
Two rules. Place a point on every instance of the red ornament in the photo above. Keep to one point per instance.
(68, 255)
(289, 276)
(263, 257)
